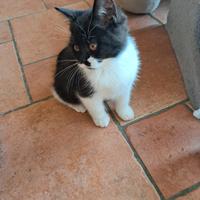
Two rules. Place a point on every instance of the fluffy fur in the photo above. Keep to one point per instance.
(85, 79)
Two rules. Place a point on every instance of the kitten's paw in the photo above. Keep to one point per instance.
(125, 113)
(79, 108)
(102, 121)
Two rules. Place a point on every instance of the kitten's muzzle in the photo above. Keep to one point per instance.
(87, 63)
(84, 60)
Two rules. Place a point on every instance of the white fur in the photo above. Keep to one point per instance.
(112, 79)
(197, 113)
(77, 108)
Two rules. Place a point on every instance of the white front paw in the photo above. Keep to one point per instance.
(125, 113)
(80, 108)
(102, 121)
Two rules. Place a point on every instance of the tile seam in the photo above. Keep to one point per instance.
(162, 110)
(155, 18)
(20, 65)
(5, 42)
(40, 60)
(35, 13)
(25, 106)
(136, 156)
(45, 5)
(185, 191)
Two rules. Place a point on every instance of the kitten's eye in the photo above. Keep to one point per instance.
(93, 46)
(76, 48)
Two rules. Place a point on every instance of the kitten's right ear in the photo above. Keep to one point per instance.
(105, 11)
(71, 14)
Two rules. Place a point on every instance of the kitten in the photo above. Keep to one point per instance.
(100, 63)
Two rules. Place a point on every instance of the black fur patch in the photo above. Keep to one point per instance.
(104, 25)
(70, 80)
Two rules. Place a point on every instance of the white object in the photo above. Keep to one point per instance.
(196, 113)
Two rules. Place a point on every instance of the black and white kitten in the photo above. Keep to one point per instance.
(100, 63)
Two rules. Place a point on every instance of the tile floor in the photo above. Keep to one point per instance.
(49, 152)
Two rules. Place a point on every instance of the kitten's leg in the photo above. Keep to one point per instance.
(96, 109)
(123, 108)
(78, 108)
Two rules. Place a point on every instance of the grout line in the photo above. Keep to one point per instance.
(45, 5)
(69, 4)
(146, 28)
(26, 106)
(20, 64)
(5, 42)
(155, 18)
(136, 155)
(21, 16)
(36, 12)
(185, 191)
(155, 113)
(43, 59)
(189, 108)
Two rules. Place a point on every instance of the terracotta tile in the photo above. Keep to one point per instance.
(78, 6)
(40, 78)
(90, 2)
(160, 83)
(63, 159)
(12, 91)
(137, 22)
(10, 9)
(169, 146)
(54, 3)
(46, 34)
(161, 12)
(5, 34)
(191, 196)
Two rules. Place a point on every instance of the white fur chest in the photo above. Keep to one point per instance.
(114, 75)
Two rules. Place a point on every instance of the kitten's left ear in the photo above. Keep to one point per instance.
(105, 11)
(71, 14)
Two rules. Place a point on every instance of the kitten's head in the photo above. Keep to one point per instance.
(98, 33)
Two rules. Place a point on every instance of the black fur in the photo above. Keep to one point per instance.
(105, 25)
(70, 80)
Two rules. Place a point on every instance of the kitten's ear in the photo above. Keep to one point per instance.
(105, 11)
(71, 14)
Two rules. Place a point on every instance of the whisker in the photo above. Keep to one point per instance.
(90, 23)
(59, 38)
(60, 32)
(61, 27)
(62, 71)
(91, 36)
(71, 76)
(66, 60)
(78, 24)
(92, 29)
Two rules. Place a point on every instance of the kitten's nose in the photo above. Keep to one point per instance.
(84, 59)
(86, 62)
